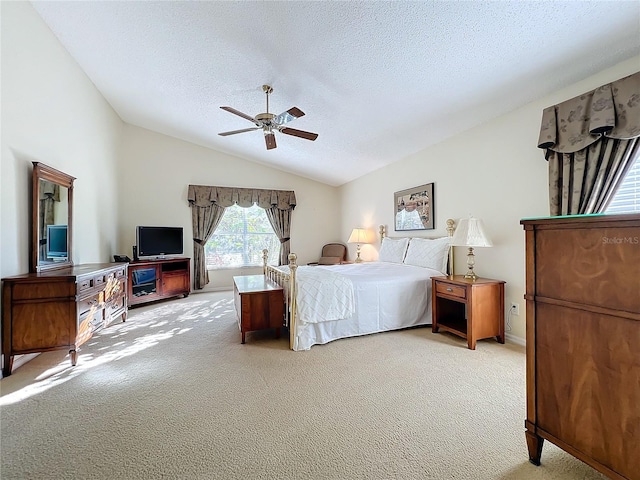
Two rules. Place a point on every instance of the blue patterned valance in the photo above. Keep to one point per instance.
(612, 110)
(203, 196)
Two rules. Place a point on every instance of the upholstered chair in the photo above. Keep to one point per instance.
(332, 254)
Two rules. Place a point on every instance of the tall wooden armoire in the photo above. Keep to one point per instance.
(583, 339)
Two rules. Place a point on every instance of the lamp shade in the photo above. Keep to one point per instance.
(359, 235)
(471, 233)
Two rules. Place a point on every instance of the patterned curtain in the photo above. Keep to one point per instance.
(591, 142)
(205, 221)
(207, 208)
(281, 222)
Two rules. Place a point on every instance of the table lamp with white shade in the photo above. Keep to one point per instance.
(470, 233)
(359, 236)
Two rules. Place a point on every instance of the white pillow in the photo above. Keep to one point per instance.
(428, 253)
(393, 249)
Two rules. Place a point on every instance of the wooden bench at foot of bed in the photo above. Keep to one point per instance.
(259, 304)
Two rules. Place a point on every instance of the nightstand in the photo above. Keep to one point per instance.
(471, 309)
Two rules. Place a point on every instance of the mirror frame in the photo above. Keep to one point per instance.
(44, 172)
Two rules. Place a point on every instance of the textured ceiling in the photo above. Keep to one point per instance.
(377, 80)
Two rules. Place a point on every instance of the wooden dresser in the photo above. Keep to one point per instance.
(60, 309)
(583, 339)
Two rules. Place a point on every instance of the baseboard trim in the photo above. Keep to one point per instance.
(20, 360)
(213, 289)
(517, 340)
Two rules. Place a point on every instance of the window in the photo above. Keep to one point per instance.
(240, 238)
(627, 198)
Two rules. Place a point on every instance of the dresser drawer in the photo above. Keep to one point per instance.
(84, 284)
(99, 280)
(120, 272)
(88, 304)
(88, 323)
(41, 290)
(452, 290)
(116, 303)
(606, 259)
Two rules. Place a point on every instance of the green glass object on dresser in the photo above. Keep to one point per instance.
(583, 339)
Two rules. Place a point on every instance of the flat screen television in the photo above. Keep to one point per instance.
(57, 241)
(159, 241)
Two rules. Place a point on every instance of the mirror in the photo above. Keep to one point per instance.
(52, 206)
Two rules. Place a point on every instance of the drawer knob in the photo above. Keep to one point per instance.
(449, 289)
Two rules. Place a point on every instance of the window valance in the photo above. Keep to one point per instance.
(612, 110)
(203, 196)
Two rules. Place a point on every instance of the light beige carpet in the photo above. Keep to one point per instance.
(172, 393)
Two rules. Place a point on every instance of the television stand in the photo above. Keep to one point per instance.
(158, 279)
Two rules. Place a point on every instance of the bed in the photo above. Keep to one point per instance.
(326, 303)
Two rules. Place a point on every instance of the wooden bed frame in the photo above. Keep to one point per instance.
(288, 280)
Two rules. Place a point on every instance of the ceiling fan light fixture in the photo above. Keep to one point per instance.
(270, 123)
(265, 117)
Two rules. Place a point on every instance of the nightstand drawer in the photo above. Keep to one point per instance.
(449, 289)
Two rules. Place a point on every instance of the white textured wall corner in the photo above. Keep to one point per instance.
(52, 113)
(494, 171)
(157, 169)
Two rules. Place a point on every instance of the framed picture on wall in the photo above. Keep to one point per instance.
(413, 208)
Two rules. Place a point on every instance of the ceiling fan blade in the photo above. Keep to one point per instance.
(233, 132)
(291, 114)
(240, 114)
(270, 138)
(300, 133)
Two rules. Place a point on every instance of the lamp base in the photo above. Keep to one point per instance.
(471, 274)
(471, 261)
(358, 259)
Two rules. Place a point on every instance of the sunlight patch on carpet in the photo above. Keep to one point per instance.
(118, 341)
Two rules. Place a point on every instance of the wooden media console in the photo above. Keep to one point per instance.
(151, 280)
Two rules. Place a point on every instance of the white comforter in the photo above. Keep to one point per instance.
(323, 295)
(387, 296)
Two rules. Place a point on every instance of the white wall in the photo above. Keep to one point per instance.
(155, 171)
(494, 172)
(52, 113)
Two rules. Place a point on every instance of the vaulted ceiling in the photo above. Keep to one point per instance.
(377, 80)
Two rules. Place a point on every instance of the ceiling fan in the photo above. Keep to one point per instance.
(270, 123)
